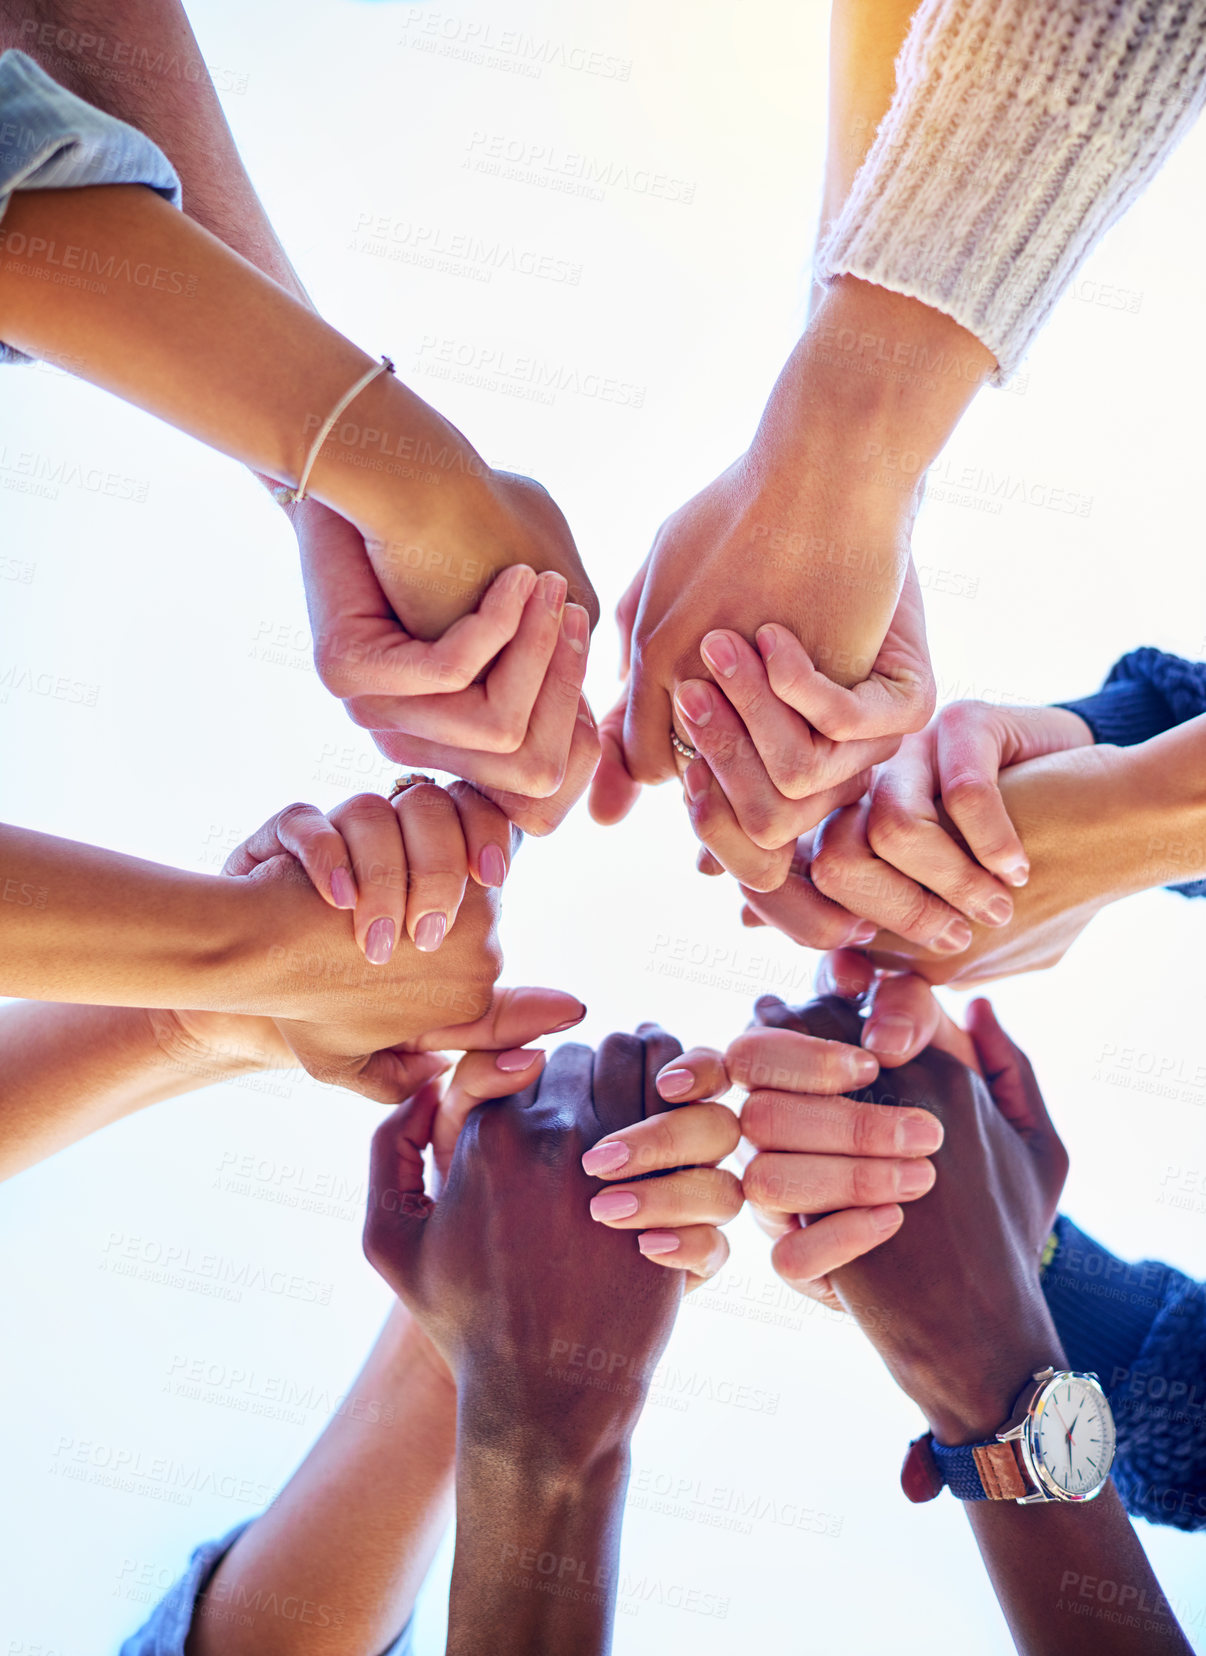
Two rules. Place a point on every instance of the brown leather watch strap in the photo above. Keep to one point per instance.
(999, 1471)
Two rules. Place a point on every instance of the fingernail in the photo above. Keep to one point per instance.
(601, 1159)
(861, 934)
(554, 587)
(429, 933)
(520, 579)
(613, 1204)
(652, 1243)
(885, 1218)
(492, 865)
(673, 1083)
(379, 942)
(569, 1023)
(518, 1058)
(694, 702)
(1017, 873)
(343, 890)
(865, 1067)
(912, 1178)
(890, 1036)
(998, 911)
(953, 937)
(918, 1135)
(697, 779)
(767, 641)
(575, 624)
(720, 655)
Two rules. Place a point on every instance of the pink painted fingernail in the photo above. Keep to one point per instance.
(379, 942)
(694, 702)
(613, 1204)
(554, 587)
(429, 933)
(674, 1083)
(492, 865)
(518, 1058)
(653, 1243)
(602, 1159)
(767, 642)
(575, 624)
(717, 650)
(890, 1036)
(343, 889)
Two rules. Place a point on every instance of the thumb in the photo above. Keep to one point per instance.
(613, 792)
(1015, 1092)
(515, 1017)
(398, 1206)
(394, 1074)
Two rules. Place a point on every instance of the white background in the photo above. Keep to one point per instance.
(173, 608)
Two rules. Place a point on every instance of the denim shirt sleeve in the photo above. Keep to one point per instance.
(52, 140)
(166, 1630)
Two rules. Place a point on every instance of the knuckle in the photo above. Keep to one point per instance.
(966, 792)
(891, 829)
(867, 1182)
(757, 1182)
(867, 1125)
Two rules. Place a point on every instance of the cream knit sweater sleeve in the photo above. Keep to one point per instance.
(1020, 130)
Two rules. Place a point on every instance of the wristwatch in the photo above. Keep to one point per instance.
(1058, 1445)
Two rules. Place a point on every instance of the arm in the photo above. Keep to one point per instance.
(70, 1070)
(355, 1528)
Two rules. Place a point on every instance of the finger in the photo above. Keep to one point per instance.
(626, 614)
(648, 720)
(846, 973)
(717, 827)
(799, 763)
(437, 863)
(827, 1124)
(846, 869)
(968, 750)
(691, 1196)
(690, 1136)
(392, 1075)
(762, 813)
(802, 1183)
(515, 1017)
(700, 1250)
(374, 840)
(699, 1073)
(1008, 1073)
(487, 834)
(903, 830)
(301, 831)
(618, 1088)
(880, 706)
(824, 1019)
(783, 1060)
(806, 916)
(661, 1050)
(479, 1077)
(539, 817)
(903, 1019)
(613, 792)
(397, 1203)
(808, 1254)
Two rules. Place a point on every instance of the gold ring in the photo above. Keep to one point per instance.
(412, 779)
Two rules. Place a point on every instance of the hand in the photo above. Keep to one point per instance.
(493, 697)
(398, 865)
(1095, 828)
(376, 1029)
(507, 1272)
(832, 1165)
(953, 1301)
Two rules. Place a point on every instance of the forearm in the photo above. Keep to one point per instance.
(354, 1530)
(1073, 1580)
(865, 37)
(158, 83)
(84, 925)
(537, 1547)
(70, 1070)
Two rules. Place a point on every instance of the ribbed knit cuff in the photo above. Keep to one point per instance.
(1102, 1307)
(1125, 713)
(1017, 135)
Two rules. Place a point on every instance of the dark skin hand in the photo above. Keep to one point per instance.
(552, 1326)
(953, 1303)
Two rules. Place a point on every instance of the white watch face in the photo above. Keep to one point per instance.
(1072, 1435)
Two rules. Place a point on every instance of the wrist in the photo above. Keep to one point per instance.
(968, 1398)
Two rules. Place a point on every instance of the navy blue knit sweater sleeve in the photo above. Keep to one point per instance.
(1146, 693)
(1142, 1329)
